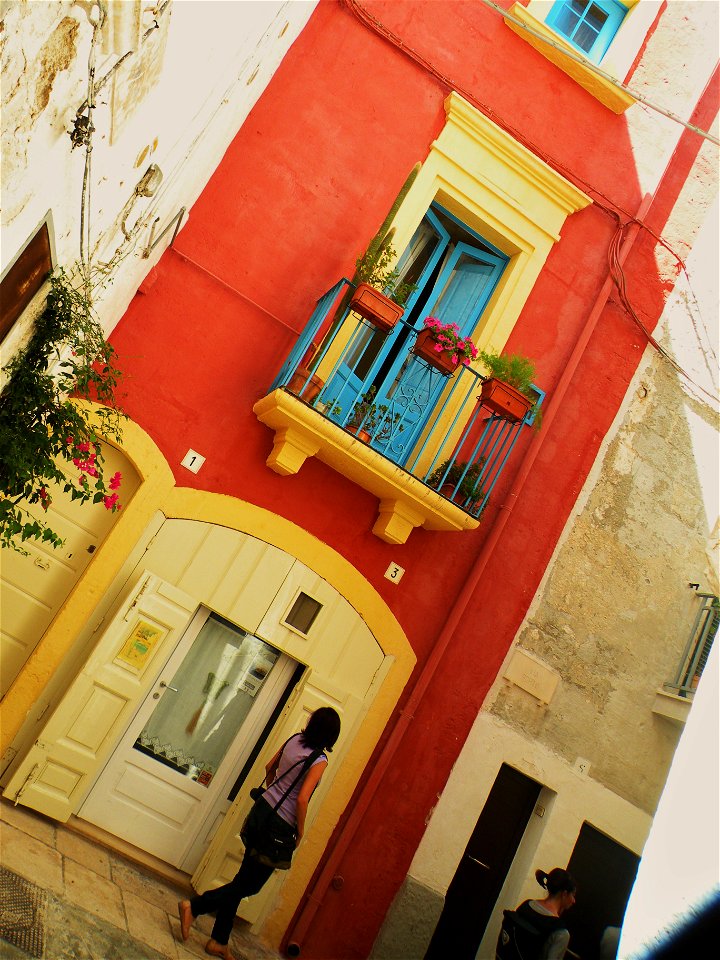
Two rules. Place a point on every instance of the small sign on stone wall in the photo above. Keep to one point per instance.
(532, 675)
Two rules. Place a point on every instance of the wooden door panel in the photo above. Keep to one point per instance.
(481, 873)
(101, 700)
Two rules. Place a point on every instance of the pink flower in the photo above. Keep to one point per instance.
(83, 480)
(110, 501)
(84, 447)
(115, 481)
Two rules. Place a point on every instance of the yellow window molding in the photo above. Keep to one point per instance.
(502, 191)
(570, 60)
(405, 502)
(506, 194)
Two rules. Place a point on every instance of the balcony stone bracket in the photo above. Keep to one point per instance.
(672, 706)
(405, 502)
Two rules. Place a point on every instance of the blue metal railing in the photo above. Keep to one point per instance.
(403, 416)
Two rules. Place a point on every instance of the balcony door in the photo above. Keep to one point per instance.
(369, 347)
(455, 273)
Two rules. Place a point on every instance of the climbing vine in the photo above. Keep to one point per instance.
(46, 438)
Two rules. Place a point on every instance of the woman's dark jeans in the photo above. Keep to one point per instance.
(224, 901)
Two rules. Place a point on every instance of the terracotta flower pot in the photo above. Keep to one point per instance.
(440, 360)
(504, 400)
(375, 307)
(360, 434)
(298, 381)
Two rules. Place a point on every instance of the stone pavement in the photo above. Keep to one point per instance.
(63, 897)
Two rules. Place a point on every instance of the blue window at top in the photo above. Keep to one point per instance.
(589, 25)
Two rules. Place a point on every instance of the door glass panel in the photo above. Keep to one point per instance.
(465, 286)
(207, 700)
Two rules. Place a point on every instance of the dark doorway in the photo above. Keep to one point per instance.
(605, 872)
(481, 873)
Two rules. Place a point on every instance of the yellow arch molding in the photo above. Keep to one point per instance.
(157, 492)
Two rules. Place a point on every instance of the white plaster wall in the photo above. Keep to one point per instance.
(218, 59)
(672, 74)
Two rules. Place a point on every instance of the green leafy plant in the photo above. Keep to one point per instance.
(519, 372)
(374, 418)
(45, 437)
(375, 268)
(512, 368)
(451, 473)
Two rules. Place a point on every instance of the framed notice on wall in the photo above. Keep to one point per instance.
(138, 647)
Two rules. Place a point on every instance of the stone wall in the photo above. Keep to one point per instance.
(175, 101)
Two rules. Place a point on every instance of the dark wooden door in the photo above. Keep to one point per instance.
(605, 873)
(481, 873)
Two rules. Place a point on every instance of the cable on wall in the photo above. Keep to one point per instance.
(610, 208)
(578, 58)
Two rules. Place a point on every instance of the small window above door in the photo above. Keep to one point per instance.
(302, 614)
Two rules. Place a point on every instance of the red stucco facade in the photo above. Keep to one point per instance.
(301, 191)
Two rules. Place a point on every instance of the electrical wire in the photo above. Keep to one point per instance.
(610, 208)
(618, 277)
(578, 58)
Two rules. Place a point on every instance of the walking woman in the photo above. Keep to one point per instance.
(276, 822)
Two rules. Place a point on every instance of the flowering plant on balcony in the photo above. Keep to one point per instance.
(447, 337)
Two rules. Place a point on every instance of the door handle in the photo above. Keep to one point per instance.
(478, 862)
(167, 685)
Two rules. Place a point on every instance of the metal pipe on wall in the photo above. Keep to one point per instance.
(315, 896)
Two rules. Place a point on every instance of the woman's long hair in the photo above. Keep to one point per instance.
(322, 730)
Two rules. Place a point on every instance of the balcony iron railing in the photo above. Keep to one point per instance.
(697, 649)
(362, 379)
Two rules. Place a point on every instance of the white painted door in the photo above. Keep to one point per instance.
(100, 702)
(197, 726)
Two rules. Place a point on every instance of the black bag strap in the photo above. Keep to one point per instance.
(305, 763)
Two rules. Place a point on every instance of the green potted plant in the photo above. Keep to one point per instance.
(380, 297)
(508, 390)
(449, 474)
(368, 419)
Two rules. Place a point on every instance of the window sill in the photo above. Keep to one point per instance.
(597, 86)
(405, 502)
(671, 706)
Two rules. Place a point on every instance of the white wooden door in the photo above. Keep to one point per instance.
(79, 735)
(198, 724)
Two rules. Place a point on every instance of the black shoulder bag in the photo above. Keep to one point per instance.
(266, 835)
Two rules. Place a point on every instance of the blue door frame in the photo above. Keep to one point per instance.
(460, 293)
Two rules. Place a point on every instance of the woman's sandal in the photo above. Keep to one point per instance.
(216, 949)
(186, 918)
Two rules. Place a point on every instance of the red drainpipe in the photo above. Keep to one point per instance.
(681, 160)
(315, 896)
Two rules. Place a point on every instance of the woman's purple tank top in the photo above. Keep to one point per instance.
(294, 750)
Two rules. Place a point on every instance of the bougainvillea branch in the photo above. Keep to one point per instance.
(46, 438)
